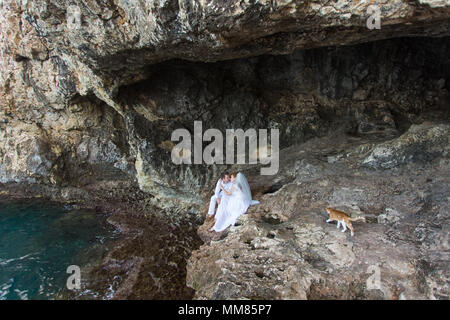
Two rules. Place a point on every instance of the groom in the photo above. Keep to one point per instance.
(225, 181)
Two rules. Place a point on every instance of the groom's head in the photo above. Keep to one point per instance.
(225, 177)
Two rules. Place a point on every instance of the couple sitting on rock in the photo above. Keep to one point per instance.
(233, 196)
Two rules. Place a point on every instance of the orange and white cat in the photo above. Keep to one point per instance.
(342, 218)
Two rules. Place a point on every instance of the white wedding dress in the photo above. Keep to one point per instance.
(232, 206)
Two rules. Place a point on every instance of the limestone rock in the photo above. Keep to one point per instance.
(390, 216)
(421, 142)
(396, 255)
(90, 92)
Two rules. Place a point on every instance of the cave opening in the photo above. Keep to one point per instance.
(377, 86)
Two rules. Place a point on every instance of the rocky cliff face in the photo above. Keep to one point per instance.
(90, 92)
(97, 46)
(84, 84)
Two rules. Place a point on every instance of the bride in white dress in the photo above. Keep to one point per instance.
(234, 203)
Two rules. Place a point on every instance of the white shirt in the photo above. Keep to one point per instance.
(225, 185)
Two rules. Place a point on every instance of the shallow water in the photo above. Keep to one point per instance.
(39, 240)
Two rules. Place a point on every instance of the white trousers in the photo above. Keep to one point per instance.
(212, 205)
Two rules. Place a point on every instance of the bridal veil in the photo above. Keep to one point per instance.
(242, 182)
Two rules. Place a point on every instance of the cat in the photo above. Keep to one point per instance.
(342, 218)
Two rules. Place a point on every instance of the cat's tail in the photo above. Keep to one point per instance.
(358, 218)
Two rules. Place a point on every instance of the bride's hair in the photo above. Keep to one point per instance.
(234, 174)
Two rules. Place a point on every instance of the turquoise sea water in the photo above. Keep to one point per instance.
(38, 241)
